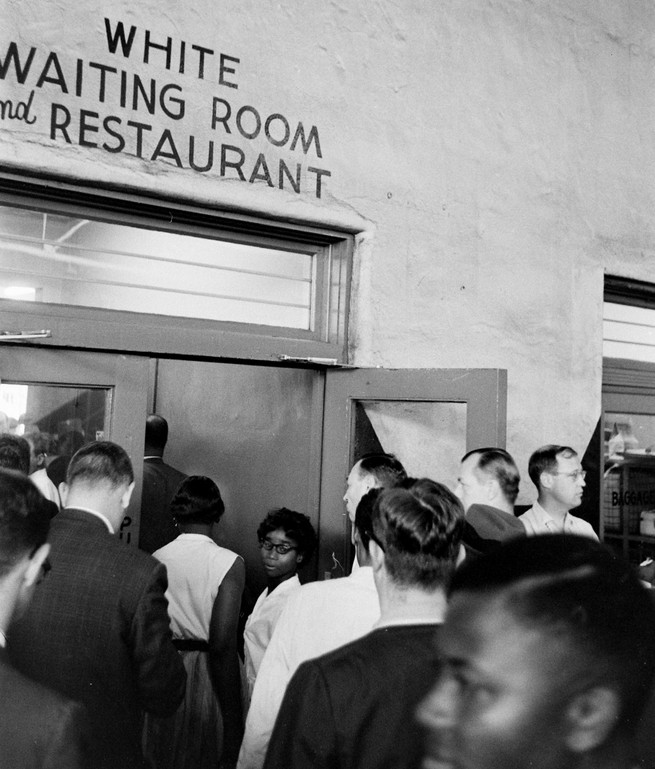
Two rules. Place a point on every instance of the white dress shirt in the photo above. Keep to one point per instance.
(319, 617)
(261, 624)
(537, 521)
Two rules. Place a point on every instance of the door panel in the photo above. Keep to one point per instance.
(78, 397)
(255, 430)
(427, 418)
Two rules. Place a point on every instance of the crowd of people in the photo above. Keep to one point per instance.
(465, 637)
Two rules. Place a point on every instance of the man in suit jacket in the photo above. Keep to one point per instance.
(160, 482)
(38, 728)
(354, 707)
(98, 631)
(487, 486)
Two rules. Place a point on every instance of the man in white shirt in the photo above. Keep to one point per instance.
(354, 706)
(319, 617)
(558, 475)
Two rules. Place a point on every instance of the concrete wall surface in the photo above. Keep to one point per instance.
(494, 157)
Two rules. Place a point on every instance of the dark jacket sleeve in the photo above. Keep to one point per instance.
(158, 668)
(304, 736)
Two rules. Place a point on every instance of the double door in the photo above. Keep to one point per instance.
(270, 436)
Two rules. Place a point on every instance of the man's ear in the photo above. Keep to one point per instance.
(545, 480)
(63, 493)
(125, 498)
(33, 570)
(493, 489)
(377, 555)
(591, 716)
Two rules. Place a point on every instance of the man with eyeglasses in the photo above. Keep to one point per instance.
(558, 475)
(39, 729)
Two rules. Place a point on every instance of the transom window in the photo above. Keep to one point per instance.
(231, 274)
(74, 261)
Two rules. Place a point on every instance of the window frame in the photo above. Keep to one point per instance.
(124, 331)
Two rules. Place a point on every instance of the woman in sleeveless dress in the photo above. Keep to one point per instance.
(205, 583)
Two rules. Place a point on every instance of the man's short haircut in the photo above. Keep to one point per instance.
(419, 527)
(385, 468)
(197, 500)
(500, 465)
(296, 526)
(100, 462)
(24, 519)
(544, 460)
(364, 516)
(576, 589)
(156, 431)
(14, 453)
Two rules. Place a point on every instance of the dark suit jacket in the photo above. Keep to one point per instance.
(38, 728)
(486, 528)
(353, 708)
(97, 631)
(160, 482)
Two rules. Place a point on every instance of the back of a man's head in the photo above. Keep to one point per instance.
(544, 460)
(24, 519)
(385, 469)
(14, 453)
(418, 526)
(156, 433)
(576, 591)
(100, 463)
(499, 465)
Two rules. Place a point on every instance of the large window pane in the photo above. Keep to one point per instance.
(57, 259)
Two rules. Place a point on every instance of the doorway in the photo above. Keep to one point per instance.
(270, 436)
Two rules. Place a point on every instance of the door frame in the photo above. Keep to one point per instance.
(484, 391)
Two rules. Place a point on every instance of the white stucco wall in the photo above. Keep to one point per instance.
(496, 158)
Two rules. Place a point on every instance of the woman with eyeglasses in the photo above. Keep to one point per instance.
(286, 540)
(205, 584)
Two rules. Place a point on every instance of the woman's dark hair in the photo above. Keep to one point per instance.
(296, 526)
(197, 500)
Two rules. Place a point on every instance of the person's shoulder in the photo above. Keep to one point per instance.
(395, 646)
(582, 526)
(312, 593)
(30, 697)
(127, 558)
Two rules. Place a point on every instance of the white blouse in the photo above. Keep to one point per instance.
(261, 624)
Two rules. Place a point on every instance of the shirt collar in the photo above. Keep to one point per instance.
(103, 518)
(406, 621)
(546, 518)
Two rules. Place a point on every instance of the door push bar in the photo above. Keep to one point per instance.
(12, 336)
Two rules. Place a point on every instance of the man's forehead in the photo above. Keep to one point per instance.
(571, 462)
(482, 631)
(355, 471)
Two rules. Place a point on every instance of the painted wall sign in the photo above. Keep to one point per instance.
(135, 101)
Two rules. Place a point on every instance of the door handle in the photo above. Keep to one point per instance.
(10, 336)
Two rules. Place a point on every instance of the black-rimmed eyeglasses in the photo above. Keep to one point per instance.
(281, 549)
